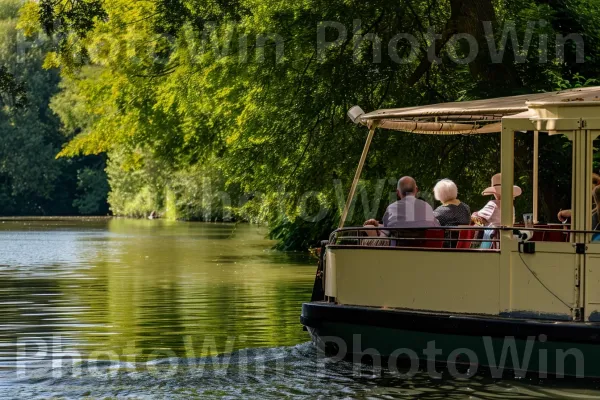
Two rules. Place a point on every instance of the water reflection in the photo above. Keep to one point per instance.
(140, 309)
(136, 287)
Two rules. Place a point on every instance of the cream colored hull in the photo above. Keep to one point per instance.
(543, 285)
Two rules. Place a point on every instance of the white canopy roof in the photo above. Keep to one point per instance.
(471, 117)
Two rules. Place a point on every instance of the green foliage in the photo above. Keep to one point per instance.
(141, 184)
(12, 92)
(9, 9)
(26, 181)
(65, 16)
(134, 192)
(92, 186)
(32, 181)
(173, 116)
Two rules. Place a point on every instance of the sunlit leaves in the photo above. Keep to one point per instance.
(183, 85)
(60, 16)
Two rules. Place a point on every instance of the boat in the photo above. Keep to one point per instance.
(528, 304)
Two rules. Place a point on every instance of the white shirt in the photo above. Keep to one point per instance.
(492, 213)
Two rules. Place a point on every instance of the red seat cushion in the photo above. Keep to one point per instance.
(556, 236)
(465, 237)
(434, 234)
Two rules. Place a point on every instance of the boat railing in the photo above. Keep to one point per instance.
(451, 237)
(458, 237)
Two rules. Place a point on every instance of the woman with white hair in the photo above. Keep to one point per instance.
(452, 212)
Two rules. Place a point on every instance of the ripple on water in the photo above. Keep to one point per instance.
(142, 291)
(292, 372)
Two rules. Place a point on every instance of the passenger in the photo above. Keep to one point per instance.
(490, 214)
(452, 212)
(565, 215)
(595, 214)
(373, 234)
(408, 211)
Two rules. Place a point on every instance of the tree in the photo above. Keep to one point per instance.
(242, 87)
(12, 92)
(32, 181)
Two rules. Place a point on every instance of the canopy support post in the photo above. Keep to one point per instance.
(507, 145)
(508, 244)
(536, 159)
(361, 163)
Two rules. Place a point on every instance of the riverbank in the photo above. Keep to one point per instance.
(58, 218)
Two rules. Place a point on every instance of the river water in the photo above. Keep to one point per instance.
(99, 308)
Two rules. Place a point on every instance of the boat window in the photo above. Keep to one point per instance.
(551, 177)
(555, 177)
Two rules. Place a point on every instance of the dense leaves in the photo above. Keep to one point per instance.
(32, 181)
(12, 92)
(78, 16)
(246, 95)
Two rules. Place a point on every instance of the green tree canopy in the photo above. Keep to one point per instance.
(243, 87)
(32, 181)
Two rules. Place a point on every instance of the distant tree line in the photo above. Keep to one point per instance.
(32, 180)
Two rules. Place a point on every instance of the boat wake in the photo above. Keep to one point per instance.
(266, 373)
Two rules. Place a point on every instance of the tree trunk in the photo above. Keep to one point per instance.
(467, 17)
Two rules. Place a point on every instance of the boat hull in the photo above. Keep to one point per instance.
(503, 346)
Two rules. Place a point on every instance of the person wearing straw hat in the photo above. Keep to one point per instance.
(490, 214)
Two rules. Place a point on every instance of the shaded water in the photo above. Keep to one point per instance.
(142, 309)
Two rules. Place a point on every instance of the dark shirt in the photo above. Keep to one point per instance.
(453, 215)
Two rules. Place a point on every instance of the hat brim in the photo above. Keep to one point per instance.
(498, 190)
